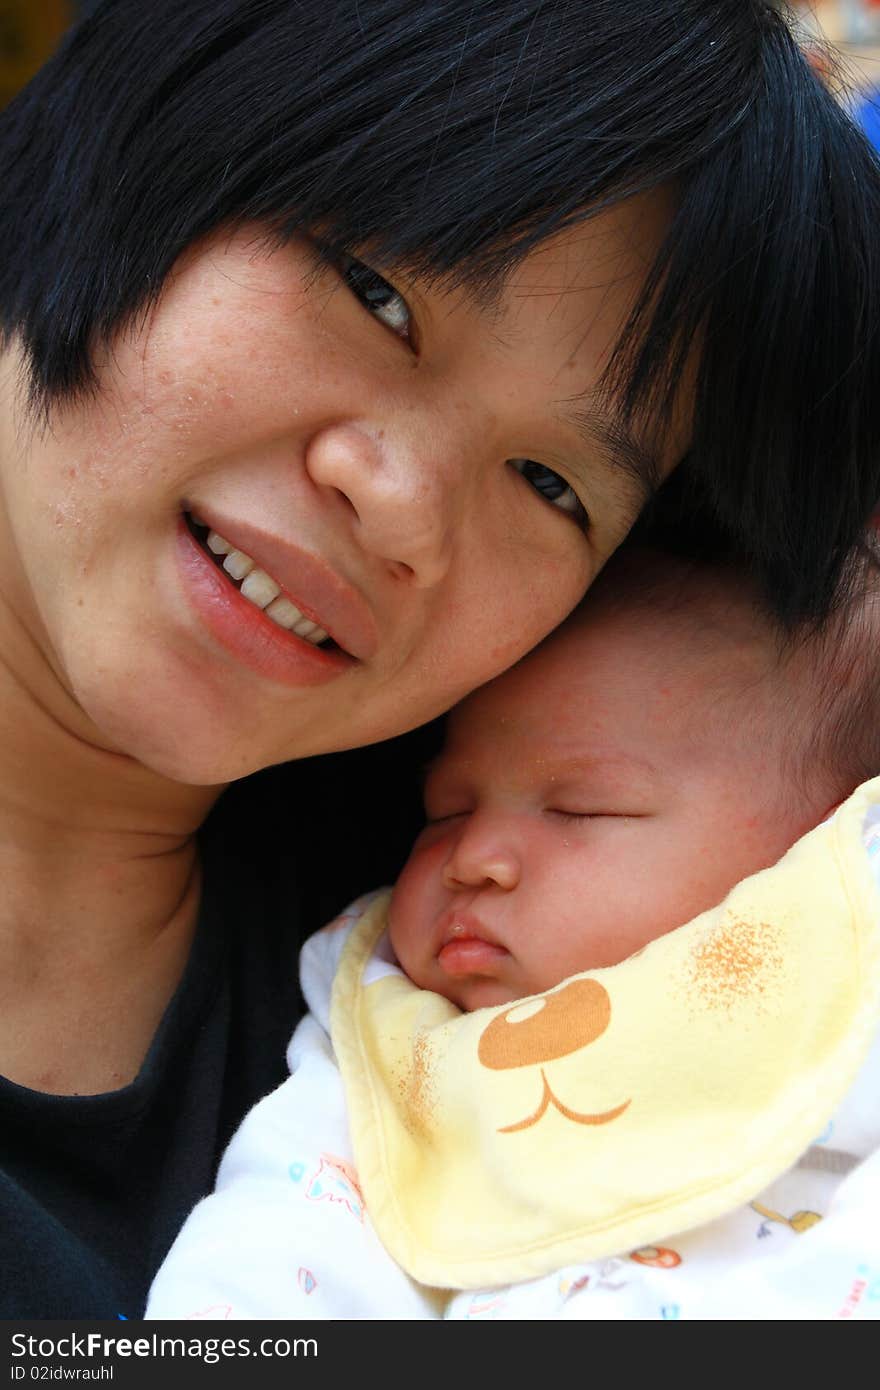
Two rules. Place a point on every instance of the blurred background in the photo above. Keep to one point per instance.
(30, 30)
(842, 38)
(844, 21)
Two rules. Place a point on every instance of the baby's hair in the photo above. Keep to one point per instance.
(452, 136)
(841, 702)
(822, 680)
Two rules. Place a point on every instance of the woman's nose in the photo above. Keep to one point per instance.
(483, 854)
(401, 493)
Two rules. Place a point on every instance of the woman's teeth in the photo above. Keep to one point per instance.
(261, 590)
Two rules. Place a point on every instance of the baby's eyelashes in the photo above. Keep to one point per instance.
(604, 813)
(445, 818)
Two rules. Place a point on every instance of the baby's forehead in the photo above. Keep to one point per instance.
(632, 676)
(693, 623)
(530, 769)
(678, 620)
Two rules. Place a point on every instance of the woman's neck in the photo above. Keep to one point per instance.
(100, 886)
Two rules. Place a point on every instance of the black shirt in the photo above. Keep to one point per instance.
(93, 1189)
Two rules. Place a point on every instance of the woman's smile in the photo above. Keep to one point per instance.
(301, 593)
(258, 587)
(239, 622)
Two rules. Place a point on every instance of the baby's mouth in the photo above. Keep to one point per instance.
(254, 584)
(466, 953)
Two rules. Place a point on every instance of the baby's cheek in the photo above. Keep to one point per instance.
(721, 854)
(415, 899)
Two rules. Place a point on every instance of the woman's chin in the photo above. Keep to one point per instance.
(176, 744)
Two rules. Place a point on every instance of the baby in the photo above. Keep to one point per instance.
(662, 747)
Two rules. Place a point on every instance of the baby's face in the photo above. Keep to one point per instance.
(599, 794)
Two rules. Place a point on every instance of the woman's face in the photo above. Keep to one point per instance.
(367, 450)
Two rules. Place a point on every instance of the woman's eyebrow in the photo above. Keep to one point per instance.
(624, 451)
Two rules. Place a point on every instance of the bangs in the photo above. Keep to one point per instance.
(449, 137)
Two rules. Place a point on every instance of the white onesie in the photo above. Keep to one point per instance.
(286, 1233)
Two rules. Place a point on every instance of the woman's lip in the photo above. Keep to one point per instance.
(309, 582)
(244, 630)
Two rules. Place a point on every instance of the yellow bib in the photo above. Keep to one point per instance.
(627, 1103)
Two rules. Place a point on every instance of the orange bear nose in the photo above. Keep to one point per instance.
(570, 1018)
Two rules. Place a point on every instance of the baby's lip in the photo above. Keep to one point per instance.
(462, 924)
(468, 948)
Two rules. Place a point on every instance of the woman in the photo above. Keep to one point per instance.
(337, 361)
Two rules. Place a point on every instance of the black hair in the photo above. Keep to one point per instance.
(451, 136)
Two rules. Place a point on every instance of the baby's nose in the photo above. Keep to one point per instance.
(484, 854)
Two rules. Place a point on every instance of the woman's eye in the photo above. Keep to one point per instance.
(382, 300)
(553, 488)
